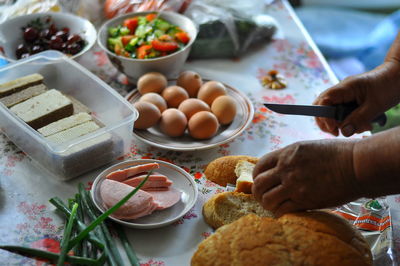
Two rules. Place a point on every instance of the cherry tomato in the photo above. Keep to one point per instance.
(164, 46)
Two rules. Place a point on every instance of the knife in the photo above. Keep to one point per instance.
(337, 112)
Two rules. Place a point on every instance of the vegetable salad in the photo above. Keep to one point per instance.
(144, 37)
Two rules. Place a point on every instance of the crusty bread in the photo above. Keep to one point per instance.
(222, 170)
(308, 238)
(226, 207)
(244, 173)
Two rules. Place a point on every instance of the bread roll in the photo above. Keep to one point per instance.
(224, 208)
(308, 238)
(222, 170)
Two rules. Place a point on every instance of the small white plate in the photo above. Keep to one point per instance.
(155, 137)
(182, 181)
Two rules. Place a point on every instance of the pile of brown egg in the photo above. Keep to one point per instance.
(201, 107)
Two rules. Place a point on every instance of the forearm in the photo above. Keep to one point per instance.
(377, 163)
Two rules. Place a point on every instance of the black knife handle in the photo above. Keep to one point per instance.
(343, 110)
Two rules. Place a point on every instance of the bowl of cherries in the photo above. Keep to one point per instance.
(30, 34)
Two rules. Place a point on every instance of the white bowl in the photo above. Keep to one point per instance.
(182, 181)
(11, 34)
(169, 65)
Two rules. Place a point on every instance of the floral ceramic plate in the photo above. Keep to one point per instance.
(182, 181)
(154, 136)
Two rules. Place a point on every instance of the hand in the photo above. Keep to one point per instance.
(306, 175)
(375, 92)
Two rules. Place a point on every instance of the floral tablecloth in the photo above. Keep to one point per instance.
(26, 217)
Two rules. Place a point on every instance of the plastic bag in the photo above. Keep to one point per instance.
(22, 7)
(373, 218)
(114, 8)
(89, 9)
(229, 28)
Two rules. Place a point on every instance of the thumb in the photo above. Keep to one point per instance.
(359, 120)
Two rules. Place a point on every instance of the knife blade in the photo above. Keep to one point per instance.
(337, 112)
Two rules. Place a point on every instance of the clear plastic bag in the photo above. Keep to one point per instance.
(89, 9)
(114, 8)
(372, 218)
(22, 7)
(229, 28)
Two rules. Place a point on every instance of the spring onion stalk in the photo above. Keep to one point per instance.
(114, 257)
(67, 235)
(59, 204)
(39, 253)
(130, 253)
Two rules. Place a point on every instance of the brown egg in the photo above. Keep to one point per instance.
(149, 115)
(174, 95)
(210, 91)
(173, 122)
(151, 82)
(190, 81)
(203, 125)
(155, 99)
(191, 106)
(224, 108)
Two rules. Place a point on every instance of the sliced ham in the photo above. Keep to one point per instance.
(155, 182)
(166, 199)
(140, 204)
(121, 175)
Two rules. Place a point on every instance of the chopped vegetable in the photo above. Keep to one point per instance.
(146, 37)
(151, 17)
(164, 46)
(182, 37)
(143, 51)
(131, 24)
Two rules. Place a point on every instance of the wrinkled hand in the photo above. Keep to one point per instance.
(306, 175)
(375, 92)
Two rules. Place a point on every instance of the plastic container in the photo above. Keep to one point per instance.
(80, 155)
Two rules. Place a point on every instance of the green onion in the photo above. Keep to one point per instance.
(67, 234)
(130, 253)
(114, 257)
(39, 253)
(59, 204)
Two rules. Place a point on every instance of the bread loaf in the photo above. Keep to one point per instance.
(308, 238)
(222, 170)
(224, 208)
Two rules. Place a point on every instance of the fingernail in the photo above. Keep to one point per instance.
(348, 130)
